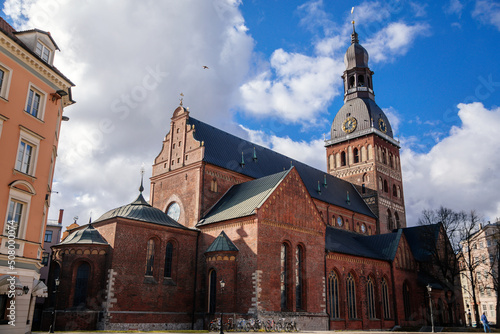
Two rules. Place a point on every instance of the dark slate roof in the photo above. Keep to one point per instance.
(7, 29)
(381, 247)
(222, 243)
(225, 150)
(420, 236)
(242, 199)
(141, 210)
(85, 236)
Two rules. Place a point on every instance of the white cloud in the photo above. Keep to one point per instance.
(394, 40)
(418, 8)
(312, 153)
(296, 88)
(454, 7)
(488, 12)
(130, 61)
(459, 171)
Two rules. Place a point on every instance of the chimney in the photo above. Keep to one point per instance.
(59, 221)
(480, 226)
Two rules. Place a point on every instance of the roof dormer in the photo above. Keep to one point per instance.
(40, 42)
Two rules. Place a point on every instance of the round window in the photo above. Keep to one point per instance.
(174, 211)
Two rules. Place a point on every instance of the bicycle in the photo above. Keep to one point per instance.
(270, 325)
(214, 325)
(241, 325)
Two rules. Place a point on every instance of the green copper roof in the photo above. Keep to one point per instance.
(242, 199)
(142, 211)
(222, 243)
(88, 235)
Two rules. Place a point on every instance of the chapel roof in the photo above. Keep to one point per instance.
(228, 151)
(85, 236)
(222, 243)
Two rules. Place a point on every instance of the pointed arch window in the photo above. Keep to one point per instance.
(213, 185)
(333, 295)
(356, 155)
(398, 222)
(406, 301)
(284, 277)
(169, 251)
(299, 276)
(394, 191)
(81, 284)
(386, 186)
(385, 300)
(351, 297)
(212, 291)
(370, 294)
(150, 257)
(390, 224)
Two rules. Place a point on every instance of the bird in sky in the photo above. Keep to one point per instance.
(205, 67)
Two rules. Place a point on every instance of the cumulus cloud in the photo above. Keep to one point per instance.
(394, 40)
(130, 61)
(488, 12)
(454, 7)
(458, 172)
(296, 88)
(310, 152)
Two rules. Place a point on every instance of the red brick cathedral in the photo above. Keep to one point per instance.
(330, 250)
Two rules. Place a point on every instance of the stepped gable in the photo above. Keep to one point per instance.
(225, 150)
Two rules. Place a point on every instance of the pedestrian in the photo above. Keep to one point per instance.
(484, 320)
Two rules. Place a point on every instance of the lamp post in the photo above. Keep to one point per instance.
(222, 285)
(56, 282)
(429, 290)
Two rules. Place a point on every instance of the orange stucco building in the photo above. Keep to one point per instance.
(33, 95)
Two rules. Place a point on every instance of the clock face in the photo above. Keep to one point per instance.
(174, 211)
(349, 125)
(339, 221)
(381, 125)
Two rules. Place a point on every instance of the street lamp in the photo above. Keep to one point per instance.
(56, 282)
(222, 285)
(429, 290)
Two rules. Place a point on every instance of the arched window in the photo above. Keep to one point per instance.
(150, 257)
(351, 297)
(399, 191)
(361, 81)
(386, 186)
(368, 83)
(384, 157)
(363, 188)
(351, 81)
(342, 159)
(300, 274)
(385, 300)
(380, 184)
(169, 251)
(398, 223)
(333, 295)
(212, 291)
(331, 159)
(406, 301)
(394, 191)
(370, 152)
(366, 178)
(390, 224)
(284, 277)
(213, 185)
(370, 294)
(356, 155)
(81, 284)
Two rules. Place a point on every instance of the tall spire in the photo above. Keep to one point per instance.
(141, 188)
(354, 35)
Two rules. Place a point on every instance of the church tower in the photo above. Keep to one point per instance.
(362, 149)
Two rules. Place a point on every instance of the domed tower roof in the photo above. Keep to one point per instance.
(359, 115)
(356, 55)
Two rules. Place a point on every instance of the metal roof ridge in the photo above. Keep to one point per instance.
(270, 191)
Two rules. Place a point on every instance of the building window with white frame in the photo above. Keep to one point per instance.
(14, 217)
(42, 51)
(5, 74)
(35, 103)
(24, 157)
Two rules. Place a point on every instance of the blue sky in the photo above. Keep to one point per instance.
(274, 78)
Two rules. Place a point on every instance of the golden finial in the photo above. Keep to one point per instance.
(182, 96)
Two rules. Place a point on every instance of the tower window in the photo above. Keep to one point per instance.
(363, 189)
(394, 191)
(361, 81)
(342, 159)
(356, 155)
(386, 186)
(351, 81)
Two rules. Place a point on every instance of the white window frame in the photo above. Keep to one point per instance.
(43, 48)
(43, 101)
(25, 199)
(4, 89)
(32, 139)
